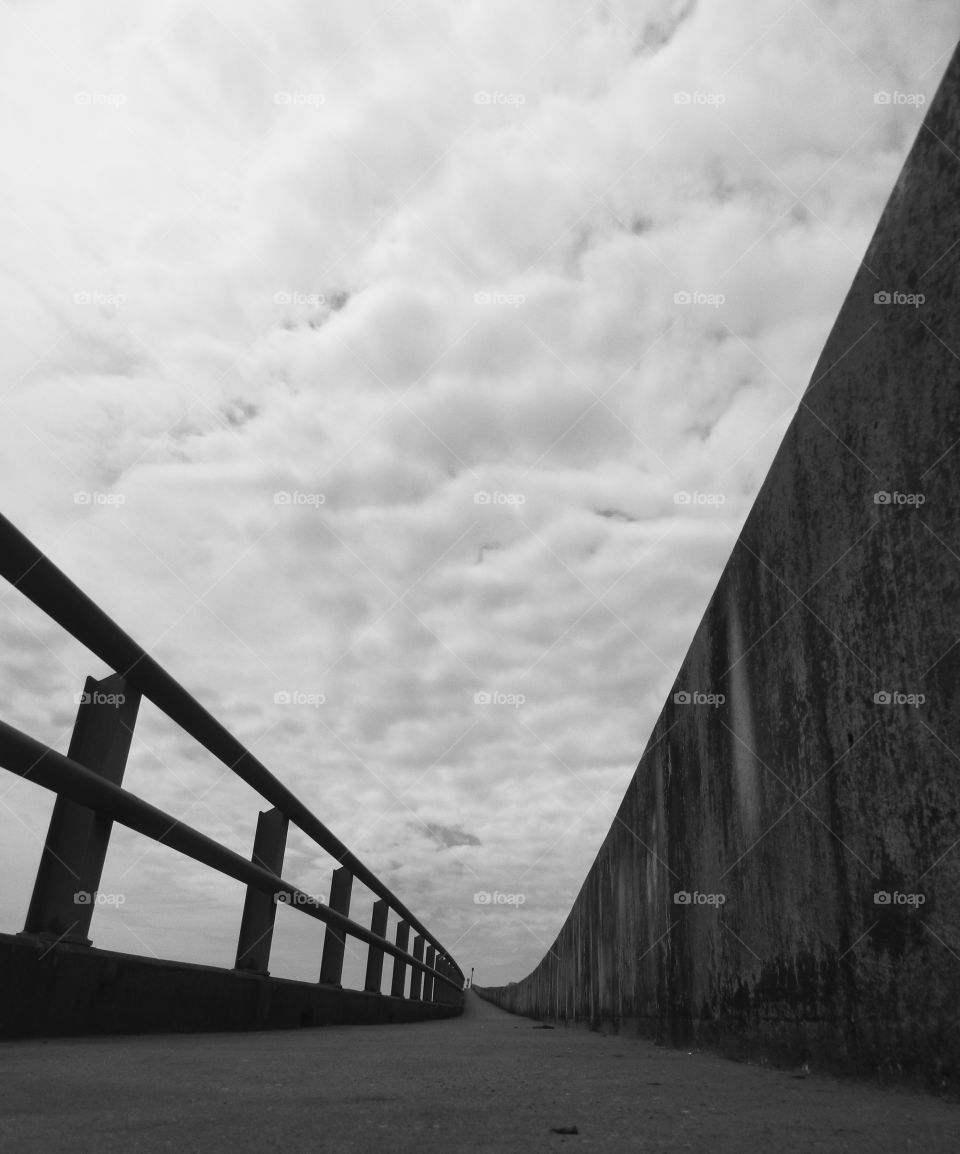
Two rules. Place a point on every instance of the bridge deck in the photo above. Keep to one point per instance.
(485, 1082)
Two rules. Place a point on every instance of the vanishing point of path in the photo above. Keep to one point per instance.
(488, 1081)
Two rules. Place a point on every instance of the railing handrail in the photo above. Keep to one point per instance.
(29, 758)
(30, 571)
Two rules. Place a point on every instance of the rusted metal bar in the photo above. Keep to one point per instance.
(415, 976)
(334, 940)
(399, 968)
(71, 866)
(260, 909)
(430, 958)
(35, 575)
(29, 758)
(442, 991)
(378, 924)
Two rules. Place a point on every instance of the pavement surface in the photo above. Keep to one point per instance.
(488, 1081)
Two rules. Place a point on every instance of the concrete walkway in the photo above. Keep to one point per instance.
(486, 1082)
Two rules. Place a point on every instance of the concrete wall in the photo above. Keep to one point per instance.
(800, 797)
(69, 989)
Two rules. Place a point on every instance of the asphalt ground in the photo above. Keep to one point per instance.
(488, 1081)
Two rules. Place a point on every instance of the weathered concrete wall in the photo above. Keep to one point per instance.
(800, 797)
(71, 989)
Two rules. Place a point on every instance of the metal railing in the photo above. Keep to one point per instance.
(90, 797)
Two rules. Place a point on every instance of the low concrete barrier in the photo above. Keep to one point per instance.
(51, 990)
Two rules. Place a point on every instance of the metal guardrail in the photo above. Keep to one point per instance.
(90, 798)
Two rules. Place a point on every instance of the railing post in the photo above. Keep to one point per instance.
(416, 976)
(428, 979)
(71, 866)
(378, 925)
(439, 988)
(334, 941)
(399, 965)
(260, 909)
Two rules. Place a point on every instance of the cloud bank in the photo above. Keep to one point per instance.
(400, 376)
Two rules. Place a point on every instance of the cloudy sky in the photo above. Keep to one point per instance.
(400, 375)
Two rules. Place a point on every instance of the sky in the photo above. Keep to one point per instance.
(399, 375)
